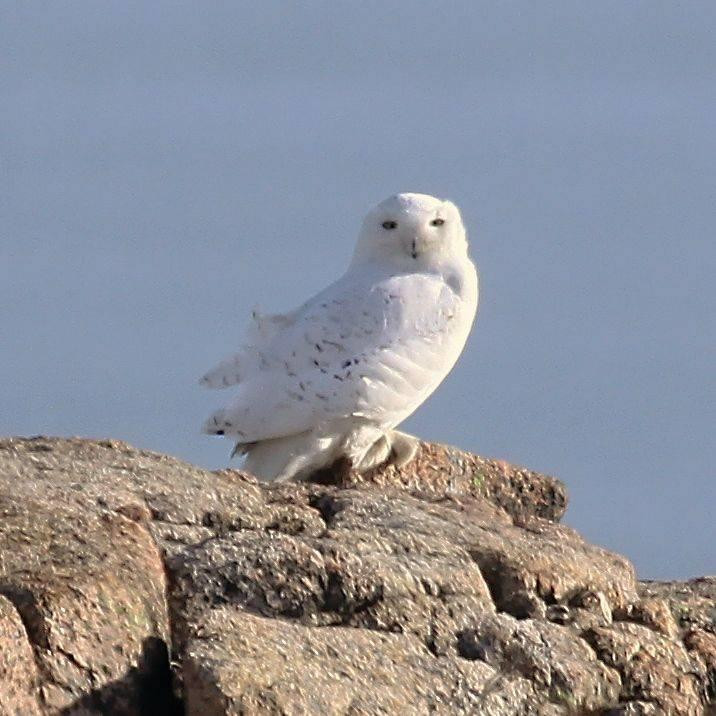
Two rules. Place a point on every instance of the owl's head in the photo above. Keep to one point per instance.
(414, 229)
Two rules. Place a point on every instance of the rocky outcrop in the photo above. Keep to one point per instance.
(131, 582)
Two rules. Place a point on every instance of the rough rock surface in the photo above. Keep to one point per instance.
(131, 582)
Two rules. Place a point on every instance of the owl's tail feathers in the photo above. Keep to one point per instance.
(286, 458)
(297, 457)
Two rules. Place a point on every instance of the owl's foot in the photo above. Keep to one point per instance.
(392, 448)
(403, 448)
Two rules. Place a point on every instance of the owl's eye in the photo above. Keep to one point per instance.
(437, 222)
(390, 225)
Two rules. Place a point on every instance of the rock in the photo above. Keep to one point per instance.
(18, 674)
(440, 470)
(87, 582)
(238, 663)
(381, 578)
(651, 612)
(131, 582)
(702, 645)
(635, 708)
(693, 610)
(563, 667)
(653, 668)
(692, 603)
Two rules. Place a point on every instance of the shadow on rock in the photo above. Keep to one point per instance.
(145, 689)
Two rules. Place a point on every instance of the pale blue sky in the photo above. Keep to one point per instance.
(165, 166)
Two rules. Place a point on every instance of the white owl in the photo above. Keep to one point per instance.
(333, 378)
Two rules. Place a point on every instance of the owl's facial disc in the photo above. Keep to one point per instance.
(416, 228)
(412, 228)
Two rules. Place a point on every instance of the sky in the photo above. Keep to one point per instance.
(166, 166)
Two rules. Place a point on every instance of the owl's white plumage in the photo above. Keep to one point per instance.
(336, 376)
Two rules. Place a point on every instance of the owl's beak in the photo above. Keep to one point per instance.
(414, 249)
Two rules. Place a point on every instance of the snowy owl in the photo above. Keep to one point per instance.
(333, 378)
